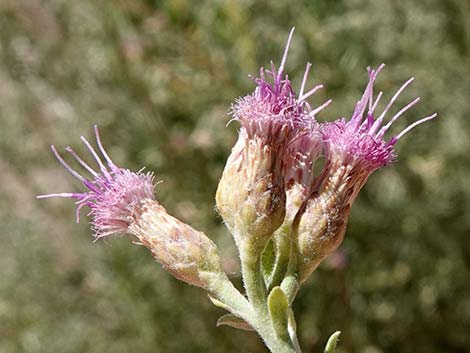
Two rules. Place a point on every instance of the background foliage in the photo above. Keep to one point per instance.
(159, 77)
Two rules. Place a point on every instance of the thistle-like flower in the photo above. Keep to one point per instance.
(275, 149)
(114, 194)
(123, 202)
(353, 150)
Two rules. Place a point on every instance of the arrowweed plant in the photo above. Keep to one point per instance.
(284, 218)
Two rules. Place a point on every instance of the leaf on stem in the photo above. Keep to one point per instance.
(219, 304)
(234, 321)
(332, 341)
(278, 306)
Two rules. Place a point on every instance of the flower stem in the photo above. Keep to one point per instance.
(222, 289)
(257, 295)
(253, 281)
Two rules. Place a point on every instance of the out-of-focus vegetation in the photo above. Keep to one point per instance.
(159, 77)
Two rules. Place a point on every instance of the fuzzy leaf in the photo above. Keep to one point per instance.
(234, 321)
(278, 306)
(332, 341)
(219, 304)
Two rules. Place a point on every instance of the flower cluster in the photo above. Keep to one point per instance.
(268, 191)
(285, 219)
(315, 207)
(353, 150)
(361, 139)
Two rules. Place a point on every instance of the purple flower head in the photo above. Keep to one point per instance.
(272, 110)
(360, 141)
(113, 194)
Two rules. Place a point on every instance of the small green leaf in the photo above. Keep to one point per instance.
(332, 341)
(234, 321)
(219, 304)
(278, 306)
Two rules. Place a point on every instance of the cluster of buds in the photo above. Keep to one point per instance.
(303, 215)
(285, 219)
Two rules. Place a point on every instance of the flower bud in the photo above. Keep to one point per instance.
(353, 150)
(250, 196)
(275, 150)
(323, 219)
(123, 202)
(186, 253)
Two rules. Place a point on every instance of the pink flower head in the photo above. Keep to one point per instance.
(114, 194)
(360, 141)
(273, 111)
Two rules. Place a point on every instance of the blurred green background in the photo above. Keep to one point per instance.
(158, 77)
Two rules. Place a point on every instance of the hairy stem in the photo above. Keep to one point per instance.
(222, 289)
(257, 295)
(274, 343)
(253, 281)
(291, 284)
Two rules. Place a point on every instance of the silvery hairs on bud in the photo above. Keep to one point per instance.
(185, 252)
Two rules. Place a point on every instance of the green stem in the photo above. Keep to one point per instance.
(291, 284)
(253, 281)
(257, 295)
(264, 328)
(222, 289)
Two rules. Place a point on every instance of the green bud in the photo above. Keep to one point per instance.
(250, 196)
